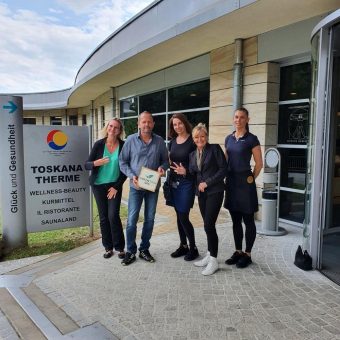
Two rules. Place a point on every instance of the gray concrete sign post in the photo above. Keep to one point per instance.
(13, 208)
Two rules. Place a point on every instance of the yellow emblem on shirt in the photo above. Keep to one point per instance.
(250, 179)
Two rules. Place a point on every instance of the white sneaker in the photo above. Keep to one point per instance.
(204, 261)
(212, 266)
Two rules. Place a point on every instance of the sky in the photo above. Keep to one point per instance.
(43, 43)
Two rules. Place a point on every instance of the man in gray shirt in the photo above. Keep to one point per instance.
(149, 150)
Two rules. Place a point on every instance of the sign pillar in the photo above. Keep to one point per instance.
(13, 208)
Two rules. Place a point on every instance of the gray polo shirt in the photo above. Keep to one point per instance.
(135, 154)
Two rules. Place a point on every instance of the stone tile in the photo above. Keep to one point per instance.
(170, 299)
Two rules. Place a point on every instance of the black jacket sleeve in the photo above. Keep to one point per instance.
(96, 153)
(221, 164)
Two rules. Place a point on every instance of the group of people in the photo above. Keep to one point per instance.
(196, 167)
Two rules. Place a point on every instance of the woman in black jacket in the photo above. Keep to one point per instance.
(107, 180)
(208, 164)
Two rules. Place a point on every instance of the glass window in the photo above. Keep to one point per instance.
(293, 124)
(54, 120)
(293, 127)
(130, 126)
(189, 96)
(73, 120)
(84, 119)
(30, 120)
(292, 206)
(295, 82)
(153, 102)
(195, 117)
(129, 107)
(160, 125)
(184, 98)
(293, 168)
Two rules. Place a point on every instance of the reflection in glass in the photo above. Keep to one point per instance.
(192, 96)
(331, 231)
(130, 126)
(160, 125)
(153, 102)
(292, 206)
(293, 168)
(295, 82)
(129, 107)
(293, 124)
(198, 117)
(189, 96)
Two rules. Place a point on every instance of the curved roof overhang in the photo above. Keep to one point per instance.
(204, 27)
(330, 20)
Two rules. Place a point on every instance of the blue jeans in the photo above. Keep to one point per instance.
(136, 198)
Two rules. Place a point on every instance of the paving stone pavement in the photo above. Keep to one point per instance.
(170, 299)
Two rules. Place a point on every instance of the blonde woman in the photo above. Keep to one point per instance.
(208, 164)
(107, 180)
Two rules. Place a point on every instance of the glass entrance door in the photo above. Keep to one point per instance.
(295, 80)
(330, 238)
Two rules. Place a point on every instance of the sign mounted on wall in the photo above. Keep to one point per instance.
(57, 189)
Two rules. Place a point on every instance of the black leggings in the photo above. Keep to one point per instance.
(185, 229)
(249, 222)
(210, 206)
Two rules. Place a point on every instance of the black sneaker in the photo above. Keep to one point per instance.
(128, 259)
(145, 255)
(234, 258)
(182, 250)
(192, 255)
(244, 261)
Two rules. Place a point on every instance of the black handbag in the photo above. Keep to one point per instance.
(302, 259)
(166, 189)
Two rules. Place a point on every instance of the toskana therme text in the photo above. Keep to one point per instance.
(47, 174)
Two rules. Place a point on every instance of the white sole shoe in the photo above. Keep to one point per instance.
(203, 262)
(212, 267)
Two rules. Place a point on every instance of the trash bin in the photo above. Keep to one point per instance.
(269, 223)
(269, 210)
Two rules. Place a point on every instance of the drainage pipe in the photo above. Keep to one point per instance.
(238, 74)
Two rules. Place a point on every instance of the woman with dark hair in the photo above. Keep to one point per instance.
(208, 164)
(241, 196)
(107, 180)
(182, 187)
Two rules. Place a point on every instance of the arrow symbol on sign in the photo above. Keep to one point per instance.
(12, 107)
